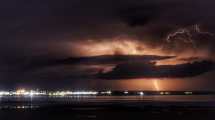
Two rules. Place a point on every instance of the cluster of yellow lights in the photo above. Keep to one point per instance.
(164, 93)
(106, 92)
(23, 92)
(64, 93)
(32, 93)
(188, 93)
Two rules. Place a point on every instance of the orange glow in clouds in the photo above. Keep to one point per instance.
(114, 47)
(126, 46)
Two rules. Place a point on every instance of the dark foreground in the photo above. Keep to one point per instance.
(107, 112)
(109, 108)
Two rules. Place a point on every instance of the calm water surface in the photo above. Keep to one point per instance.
(168, 107)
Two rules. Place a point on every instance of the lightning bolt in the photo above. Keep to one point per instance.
(186, 35)
(182, 31)
(156, 85)
(198, 30)
(177, 32)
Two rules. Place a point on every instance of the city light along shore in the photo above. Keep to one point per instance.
(32, 93)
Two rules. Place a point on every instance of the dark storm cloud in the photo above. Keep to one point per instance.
(149, 70)
(190, 59)
(34, 31)
(37, 27)
(97, 60)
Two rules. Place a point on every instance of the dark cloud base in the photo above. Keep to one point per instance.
(143, 70)
(96, 60)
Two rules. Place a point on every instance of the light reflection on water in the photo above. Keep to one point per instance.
(173, 98)
(36, 102)
(18, 107)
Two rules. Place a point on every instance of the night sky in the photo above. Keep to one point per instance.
(107, 44)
